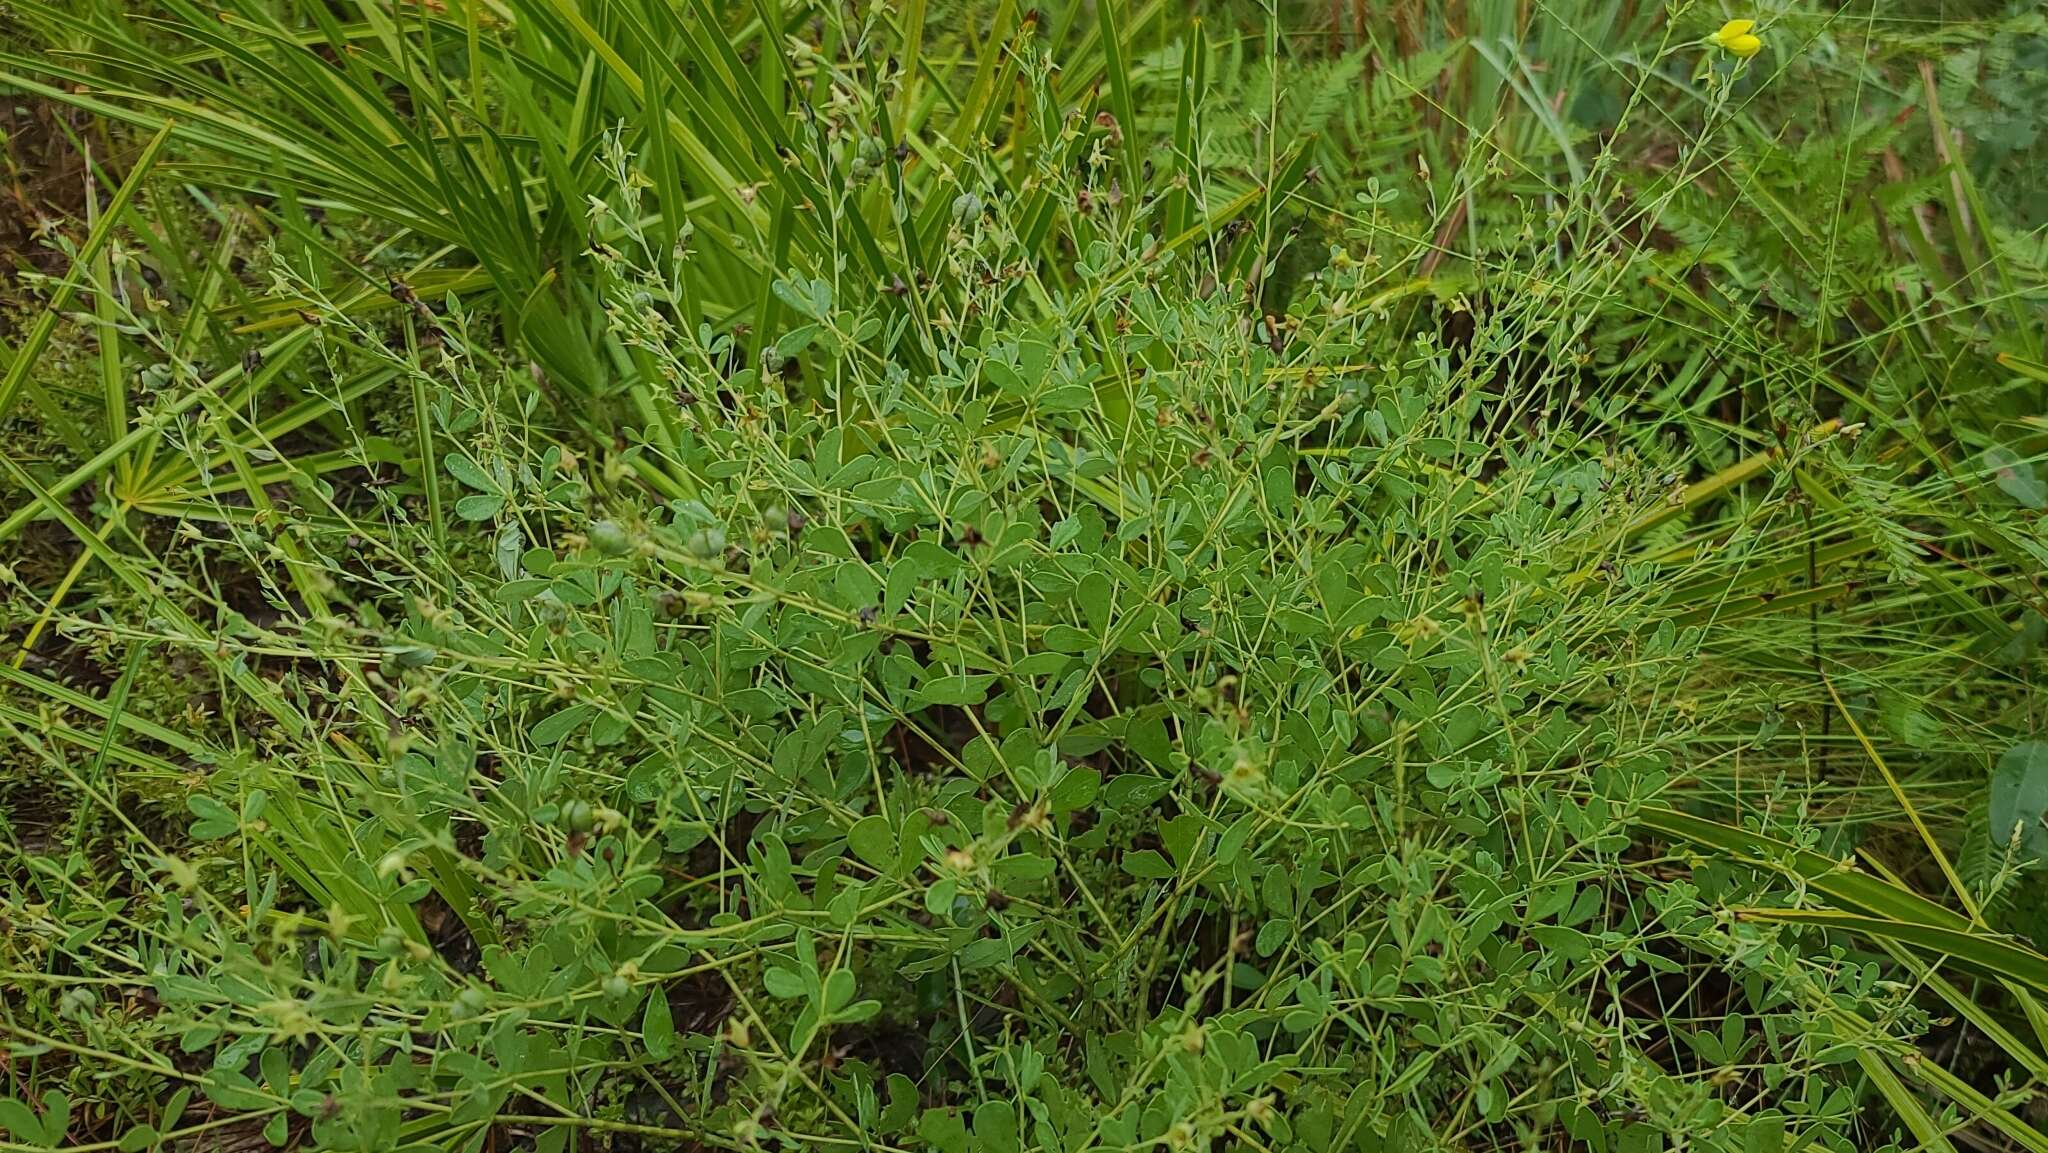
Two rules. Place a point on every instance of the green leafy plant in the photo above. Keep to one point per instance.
(780, 576)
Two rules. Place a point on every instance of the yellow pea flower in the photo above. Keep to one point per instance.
(1736, 38)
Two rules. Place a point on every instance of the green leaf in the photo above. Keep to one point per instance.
(839, 990)
(929, 559)
(21, 1121)
(1097, 596)
(783, 983)
(995, 1126)
(873, 841)
(1570, 944)
(476, 507)
(470, 473)
(903, 578)
(174, 1109)
(902, 1103)
(1075, 790)
(56, 1116)
(1183, 836)
(1149, 739)
(277, 1074)
(554, 728)
(944, 1130)
(2019, 800)
(1147, 863)
(140, 1137)
(215, 819)
(958, 689)
(657, 1025)
(1232, 842)
(2015, 476)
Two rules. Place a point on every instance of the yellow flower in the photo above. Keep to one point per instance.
(1736, 38)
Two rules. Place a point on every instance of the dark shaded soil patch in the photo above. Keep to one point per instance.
(700, 1003)
(45, 182)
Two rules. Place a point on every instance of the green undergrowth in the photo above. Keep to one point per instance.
(643, 574)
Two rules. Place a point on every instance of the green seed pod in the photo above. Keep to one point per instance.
(610, 539)
(468, 1003)
(578, 816)
(706, 543)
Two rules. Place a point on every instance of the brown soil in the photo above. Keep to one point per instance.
(45, 182)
